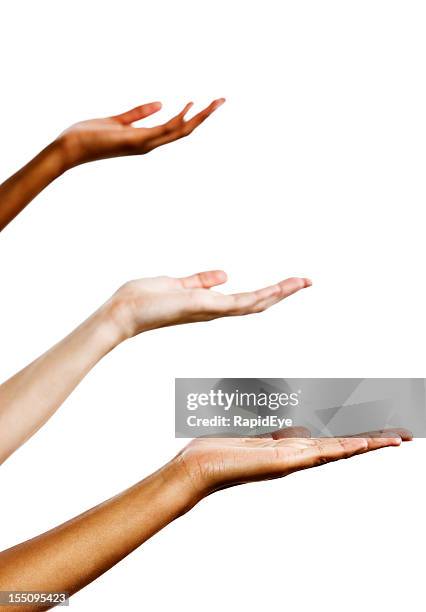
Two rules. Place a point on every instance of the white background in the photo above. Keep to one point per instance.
(315, 166)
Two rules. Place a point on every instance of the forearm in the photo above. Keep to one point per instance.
(74, 554)
(18, 191)
(31, 396)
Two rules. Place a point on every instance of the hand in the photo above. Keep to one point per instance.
(211, 464)
(149, 303)
(116, 136)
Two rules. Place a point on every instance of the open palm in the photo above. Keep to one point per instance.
(149, 303)
(211, 464)
(116, 135)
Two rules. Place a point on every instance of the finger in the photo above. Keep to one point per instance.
(137, 113)
(257, 301)
(198, 119)
(171, 128)
(324, 450)
(180, 116)
(372, 443)
(286, 288)
(177, 128)
(404, 434)
(204, 280)
(332, 449)
(388, 440)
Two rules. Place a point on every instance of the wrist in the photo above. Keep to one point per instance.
(69, 150)
(108, 330)
(57, 154)
(117, 317)
(179, 487)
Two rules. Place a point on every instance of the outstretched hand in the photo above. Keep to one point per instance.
(149, 303)
(116, 136)
(211, 464)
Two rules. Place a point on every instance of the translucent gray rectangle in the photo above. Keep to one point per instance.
(240, 407)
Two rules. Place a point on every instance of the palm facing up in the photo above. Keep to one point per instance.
(149, 303)
(211, 464)
(115, 136)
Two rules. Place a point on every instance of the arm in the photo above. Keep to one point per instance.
(18, 190)
(30, 397)
(91, 140)
(74, 554)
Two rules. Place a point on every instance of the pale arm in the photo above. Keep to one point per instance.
(30, 397)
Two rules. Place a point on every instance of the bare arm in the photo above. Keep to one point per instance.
(18, 190)
(31, 396)
(74, 554)
(91, 140)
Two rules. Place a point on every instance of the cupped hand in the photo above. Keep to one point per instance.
(116, 136)
(211, 464)
(149, 303)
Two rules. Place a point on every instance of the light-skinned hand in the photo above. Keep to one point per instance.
(32, 395)
(149, 303)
